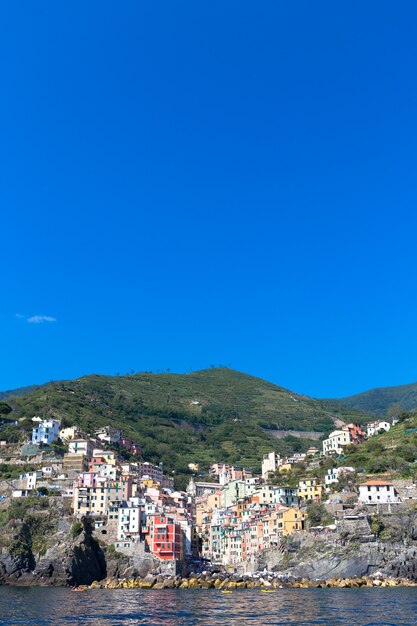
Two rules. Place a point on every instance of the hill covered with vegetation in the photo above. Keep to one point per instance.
(210, 415)
(392, 453)
(18, 392)
(379, 401)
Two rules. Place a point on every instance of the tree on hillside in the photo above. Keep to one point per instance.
(5, 409)
(317, 514)
(394, 411)
(347, 481)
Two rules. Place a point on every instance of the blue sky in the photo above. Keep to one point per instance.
(194, 183)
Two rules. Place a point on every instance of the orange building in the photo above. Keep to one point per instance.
(357, 435)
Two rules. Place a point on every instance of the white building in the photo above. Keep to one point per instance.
(20, 493)
(68, 433)
(377, 492)
(31, 479)
(336, 441)
(81, 446)
(109, 434)
(297, 457)
(129, 522)
(45, 432)
(374, 427)
(270, 464)
(108, 471)
(334, 473)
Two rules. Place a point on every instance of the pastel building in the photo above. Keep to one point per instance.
(310, 489)
(235, 490)
(156, 472)
(89, 495)
(280, 523)
(81, 446)
(352, 434)
(270, 494)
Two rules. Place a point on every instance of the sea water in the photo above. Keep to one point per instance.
(106, 607)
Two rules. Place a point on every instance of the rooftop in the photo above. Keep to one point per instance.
(377, 483)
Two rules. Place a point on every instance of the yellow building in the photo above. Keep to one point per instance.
(280, 523)
(148, 483)
(290, 519)
(284, 468)
(310, 489)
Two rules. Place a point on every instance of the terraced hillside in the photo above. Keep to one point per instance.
(215, 414)
(393, 454)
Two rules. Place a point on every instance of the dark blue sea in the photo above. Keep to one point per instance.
(370, 607)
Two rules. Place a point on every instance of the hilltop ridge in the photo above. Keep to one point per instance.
(378, 401)
(179, 418)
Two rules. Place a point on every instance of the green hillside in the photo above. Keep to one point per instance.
(378, 401)
(215, 414)
(393, 454)
(18, 392)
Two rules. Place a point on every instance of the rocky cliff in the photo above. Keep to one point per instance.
(361, 547)
(41, 545)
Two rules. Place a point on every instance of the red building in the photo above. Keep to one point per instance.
(165, 537)
(357, 435)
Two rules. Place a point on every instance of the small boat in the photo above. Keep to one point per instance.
(268, 590)
(226, 591)
(78, 589)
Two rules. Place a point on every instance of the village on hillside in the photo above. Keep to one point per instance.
(225, 520)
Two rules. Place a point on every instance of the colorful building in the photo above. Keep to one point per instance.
(165, 537)
(310, 489)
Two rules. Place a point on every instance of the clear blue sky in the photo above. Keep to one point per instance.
(187, 183)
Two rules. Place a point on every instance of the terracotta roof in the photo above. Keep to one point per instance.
(377, 483)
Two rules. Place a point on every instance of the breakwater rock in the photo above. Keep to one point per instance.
(226, 582)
